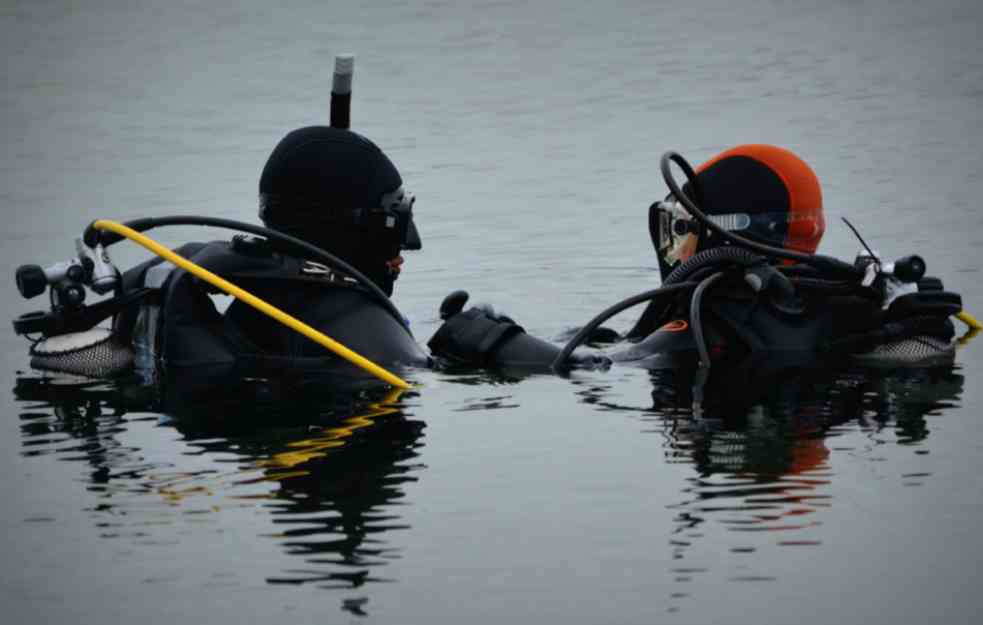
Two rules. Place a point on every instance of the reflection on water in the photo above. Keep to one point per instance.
(765, 453)
(331, 478)
(767, 477)
(329, 481)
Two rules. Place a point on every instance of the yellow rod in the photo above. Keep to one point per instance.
(969, 320)
(252, 300)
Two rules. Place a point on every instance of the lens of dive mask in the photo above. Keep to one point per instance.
(676, 233)
(397, 209)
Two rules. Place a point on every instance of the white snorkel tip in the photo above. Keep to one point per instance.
(341, 91)
(344, 68)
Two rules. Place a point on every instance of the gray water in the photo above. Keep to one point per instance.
(531, 136)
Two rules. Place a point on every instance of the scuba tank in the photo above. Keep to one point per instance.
(146, 328)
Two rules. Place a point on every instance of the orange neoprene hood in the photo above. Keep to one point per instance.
(759, 178)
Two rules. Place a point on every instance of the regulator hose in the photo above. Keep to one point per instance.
(691, 270)
(93, 236)
(696, 321)
(827, 263)
(710, 257)
(611, 311)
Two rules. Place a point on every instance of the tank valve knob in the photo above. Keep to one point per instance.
(909, 269)
(31, 280)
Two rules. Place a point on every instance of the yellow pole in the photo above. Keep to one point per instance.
(252, 300)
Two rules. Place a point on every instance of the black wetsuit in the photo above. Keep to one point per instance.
(194, 341)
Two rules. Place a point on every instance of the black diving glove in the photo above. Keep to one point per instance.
(473, 336)
(481, 337)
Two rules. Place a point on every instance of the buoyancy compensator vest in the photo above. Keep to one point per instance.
(738, 322)
(181, 333)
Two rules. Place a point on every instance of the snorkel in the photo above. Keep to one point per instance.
(341, 91)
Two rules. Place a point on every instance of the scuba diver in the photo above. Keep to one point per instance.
(336, 221)
(736, 248)
(332, 189)
(740, 279)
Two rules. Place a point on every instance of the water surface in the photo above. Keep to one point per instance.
(531, 136)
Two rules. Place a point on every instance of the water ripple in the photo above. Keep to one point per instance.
(332, 484)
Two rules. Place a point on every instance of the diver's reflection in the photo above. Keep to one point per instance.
(764, 452)
(775, 421)
(331, 473)
(766, 448)
(337, 488)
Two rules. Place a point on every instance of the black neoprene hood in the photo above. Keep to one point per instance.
(318, 170)
(337, 190)
(739, 184)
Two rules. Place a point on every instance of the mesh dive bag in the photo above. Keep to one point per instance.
(916, 350)
(92, 353)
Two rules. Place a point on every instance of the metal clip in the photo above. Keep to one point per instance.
(311, 268)
(316, 269)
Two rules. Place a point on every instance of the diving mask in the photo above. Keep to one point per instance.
(678, 234)
(397, 215)
(391, 221)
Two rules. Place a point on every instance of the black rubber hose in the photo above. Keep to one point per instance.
(92, 236)
(695, 320)
(712, 256)
(693, 270)
(611, 311)
(826, 262)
